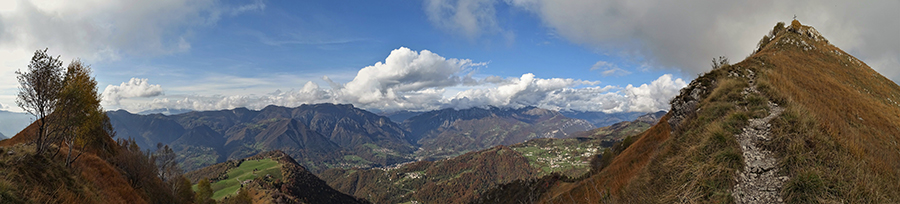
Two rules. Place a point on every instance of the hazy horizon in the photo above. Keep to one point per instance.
(418, 56)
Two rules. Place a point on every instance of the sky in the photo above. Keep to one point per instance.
(391, 55)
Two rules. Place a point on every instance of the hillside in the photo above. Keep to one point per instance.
(472, 173)
(617, 132)
(456, 180)
(449, 132)
(269, 177)
(798, 121)
(102, 174)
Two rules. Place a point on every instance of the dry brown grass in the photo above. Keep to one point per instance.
(614, 177)
(106, 180)
(838, 138)
(41, 179)
(696, 164)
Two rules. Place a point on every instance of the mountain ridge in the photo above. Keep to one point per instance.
(296, 130)
(449, 132)
(798, 121)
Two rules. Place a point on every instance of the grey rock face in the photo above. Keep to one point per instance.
(686, 104)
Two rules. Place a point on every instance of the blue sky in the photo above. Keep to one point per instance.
(607, 56)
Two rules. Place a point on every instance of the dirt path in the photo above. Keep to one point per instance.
(757, 183)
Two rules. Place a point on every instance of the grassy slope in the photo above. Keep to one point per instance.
(242, 173)
(837, 140)
(289, 181)
(29, 178)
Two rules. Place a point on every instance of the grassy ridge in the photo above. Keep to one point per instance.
(248, 170)
(836, 141)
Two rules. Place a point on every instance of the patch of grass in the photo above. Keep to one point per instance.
(713, 111)
(730, 158)
(804, 188)
(736, 122)
(728, 90)
(248, 170)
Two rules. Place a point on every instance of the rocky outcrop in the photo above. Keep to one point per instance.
(685, 104)
(807, 31)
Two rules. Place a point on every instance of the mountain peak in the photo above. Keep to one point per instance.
(795, 116)
(797, 35)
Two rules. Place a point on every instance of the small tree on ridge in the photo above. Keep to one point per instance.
(39, 88)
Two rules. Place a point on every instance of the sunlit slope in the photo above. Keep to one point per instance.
(833, 133)
(269, 177)
(27, 177)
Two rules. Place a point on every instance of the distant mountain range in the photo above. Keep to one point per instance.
(597, 118)
(601, 119)
(320, 136)
(12, 122)
(449, 132)
(323, 136)
(165, 111)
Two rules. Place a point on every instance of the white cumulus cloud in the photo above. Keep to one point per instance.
(524, 91)
(411, 80)
(655, 96)
(404, 72)
(133, 88)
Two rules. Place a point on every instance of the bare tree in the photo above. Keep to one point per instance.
(168, 169)
(721, 62)
(39, 88)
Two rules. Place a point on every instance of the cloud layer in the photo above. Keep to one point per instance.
(683, 35)
(411, 80)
